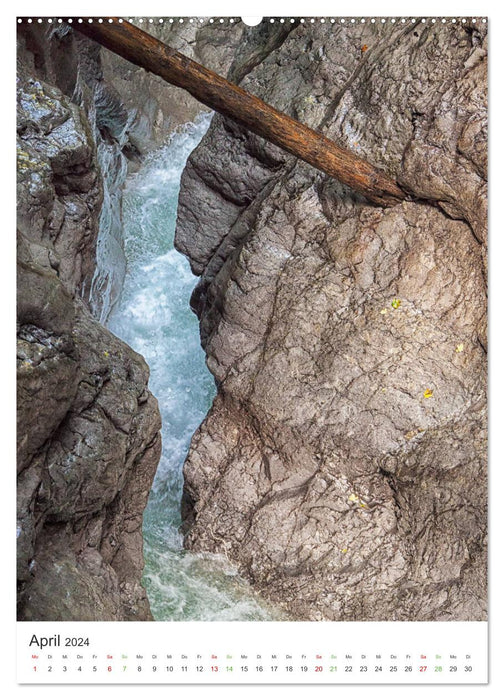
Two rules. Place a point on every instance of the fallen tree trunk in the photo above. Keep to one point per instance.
(219, 94)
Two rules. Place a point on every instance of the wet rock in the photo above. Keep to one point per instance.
(88, 428)
(343, 463)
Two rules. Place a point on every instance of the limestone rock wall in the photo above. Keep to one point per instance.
(343, 463)
(88, 427)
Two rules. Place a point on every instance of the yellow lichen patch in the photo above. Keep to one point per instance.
(358, 501)
(24, 162)
(396, 303)
(413, 433)
(428, 393)
(460, 347)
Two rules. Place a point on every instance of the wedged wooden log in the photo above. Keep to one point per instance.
(219, 94)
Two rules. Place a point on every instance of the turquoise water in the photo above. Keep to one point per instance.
(153, 317)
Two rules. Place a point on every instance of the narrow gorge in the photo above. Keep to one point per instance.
(334, 451)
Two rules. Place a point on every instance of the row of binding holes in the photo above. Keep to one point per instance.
(322, 20)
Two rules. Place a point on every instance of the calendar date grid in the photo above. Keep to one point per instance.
(252, 664)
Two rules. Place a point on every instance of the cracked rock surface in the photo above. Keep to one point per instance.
(88, 427)
(343, 463)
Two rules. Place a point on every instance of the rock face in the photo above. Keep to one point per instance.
(131, 112)
(88, 428)
(343, 463)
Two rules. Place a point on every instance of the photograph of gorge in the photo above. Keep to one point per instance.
(251, 319)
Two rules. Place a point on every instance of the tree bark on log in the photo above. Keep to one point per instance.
(219, 94)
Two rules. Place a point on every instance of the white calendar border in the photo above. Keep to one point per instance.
(277, 8)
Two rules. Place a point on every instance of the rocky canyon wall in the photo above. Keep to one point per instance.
(88, 426)
(343, 463)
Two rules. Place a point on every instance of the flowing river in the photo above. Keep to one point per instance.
(154, 318)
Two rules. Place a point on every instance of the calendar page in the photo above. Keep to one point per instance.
(251, 349)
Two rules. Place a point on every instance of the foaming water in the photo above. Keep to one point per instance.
(154, 318)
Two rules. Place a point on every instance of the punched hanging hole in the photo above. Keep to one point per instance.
(251, 21)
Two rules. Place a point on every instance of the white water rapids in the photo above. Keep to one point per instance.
(154, 318)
